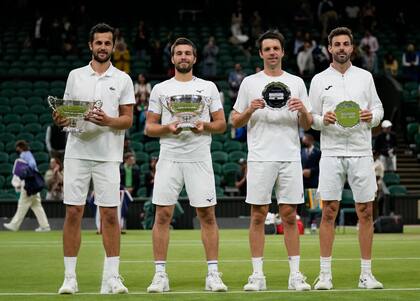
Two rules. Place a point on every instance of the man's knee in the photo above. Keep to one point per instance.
(74, 214)
(163, 216)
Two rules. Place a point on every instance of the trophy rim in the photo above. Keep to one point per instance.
(186, 98)
(338, 108)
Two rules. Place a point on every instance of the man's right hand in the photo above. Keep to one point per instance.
(329, 118)
(60, 120)
(256, 104)
(173, 128)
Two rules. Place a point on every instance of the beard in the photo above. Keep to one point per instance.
(183, 69)
(340, 59)
(101, 60)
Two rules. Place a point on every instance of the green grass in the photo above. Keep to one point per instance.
(31, 266)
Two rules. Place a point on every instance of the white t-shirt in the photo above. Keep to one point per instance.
(272, 134)
(186, 146)
(113, 88)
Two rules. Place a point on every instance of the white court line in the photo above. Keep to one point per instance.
(228, 292)
(272, 260)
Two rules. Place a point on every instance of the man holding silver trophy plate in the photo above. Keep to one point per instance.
(94, 151)
(273, 104)
(346, 107)
(185, 102)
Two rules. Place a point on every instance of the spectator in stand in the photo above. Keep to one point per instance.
(142, 89)
(235, 79)
(368, 15)
(156, 58)
(379, 172)
(327, 16)
(141, 42)
(385, 145)
(55, 141)
(410, 63)
(210, 53)
(310, 155)
(305, 59)
(352, 14)
(150, 176)
(240, 182)
(130, 174)
(369, 60)
(121, 57)
(390, 64)
(370, 40)
(54, 180)
(401, 28)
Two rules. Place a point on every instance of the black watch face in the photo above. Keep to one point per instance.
(276, 95)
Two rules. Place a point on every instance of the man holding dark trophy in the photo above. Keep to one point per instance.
(273, 103)
(346, 107)
(96, 110)
(184, 111)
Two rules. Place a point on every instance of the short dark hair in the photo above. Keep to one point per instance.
(101, 28)
(22, 144)
(338, 32)
(271, 34)
(183, 41)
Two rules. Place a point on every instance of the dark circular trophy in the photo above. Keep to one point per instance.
(276, 95)
(347, 114)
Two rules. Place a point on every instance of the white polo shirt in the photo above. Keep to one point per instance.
(186, 146)
(113, 88)
(272, 134)
(327, 90)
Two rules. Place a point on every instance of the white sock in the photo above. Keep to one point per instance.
(257, 265)
(366, 266)
(160, 266)
(112, 266)
(212, 266)
(326, 265)
(70, 266)
(294, 264)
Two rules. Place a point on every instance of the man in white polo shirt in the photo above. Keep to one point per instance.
(184, 159)
(273, 104)
(345, 109)
(96, 154)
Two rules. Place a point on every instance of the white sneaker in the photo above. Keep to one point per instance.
(323, 282)
(43, 229)
(256, 282)
(69, 285)
(9, 227)
(297, 282)
(160, 283)
(368, 281)
(214, 282)
(113, 285)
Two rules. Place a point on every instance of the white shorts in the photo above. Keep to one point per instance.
(359, 172)
(198, 178)
(286, 178)
(106, 182)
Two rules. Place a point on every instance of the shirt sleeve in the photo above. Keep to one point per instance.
(155, 104)
(68, 92)
(316, 104)
(127, 94)
(242, 101)
(375, 105)
(215, 104)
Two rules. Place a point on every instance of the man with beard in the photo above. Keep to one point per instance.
(346, 147)
(184, 159)
(273, 104)
(96, 154)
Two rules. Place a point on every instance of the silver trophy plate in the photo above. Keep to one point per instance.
(74, 110)
(187, 108)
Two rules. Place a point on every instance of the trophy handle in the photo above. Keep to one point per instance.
(98, 104)
(51, 102)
